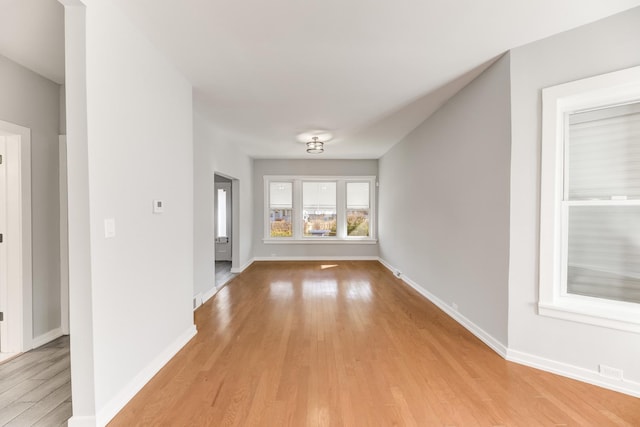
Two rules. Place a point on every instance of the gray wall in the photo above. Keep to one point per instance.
(444, 202)
(29, 100)
(306, 168)
(605, 46)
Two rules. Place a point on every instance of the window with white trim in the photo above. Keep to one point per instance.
(310, 209)
(590, 201)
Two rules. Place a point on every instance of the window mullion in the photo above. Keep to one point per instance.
(297, 209)
(341, 203)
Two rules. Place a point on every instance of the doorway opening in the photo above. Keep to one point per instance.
(15, 241)
(225, 227)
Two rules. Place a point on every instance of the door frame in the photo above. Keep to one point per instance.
(235, 220)
(18, 324)
(64, 235)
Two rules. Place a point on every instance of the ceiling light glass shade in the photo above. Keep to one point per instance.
(315, 146)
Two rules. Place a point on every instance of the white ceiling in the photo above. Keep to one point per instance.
(367, 70)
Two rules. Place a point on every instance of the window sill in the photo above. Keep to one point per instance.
(609, 314)
(319, 241)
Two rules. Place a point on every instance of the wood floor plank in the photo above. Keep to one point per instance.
(42, 408)
(47, 386)
(36, 386)
(57, 417)
(13, 410)
(345, 343)
(16, 392)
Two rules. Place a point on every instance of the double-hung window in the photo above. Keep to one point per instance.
(309, 209)
(590, 201)
(280, 210)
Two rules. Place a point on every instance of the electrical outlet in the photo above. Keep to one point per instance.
(609, 372)
(454, 306)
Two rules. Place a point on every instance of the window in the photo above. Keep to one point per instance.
(590, 201)
(358, 209)
(319, 209)
(222, 212)
(280, 209)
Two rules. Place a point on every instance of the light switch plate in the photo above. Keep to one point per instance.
(109, 228)
(158, 206)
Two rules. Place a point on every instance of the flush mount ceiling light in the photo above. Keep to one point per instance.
(315, 140)
(315, 146)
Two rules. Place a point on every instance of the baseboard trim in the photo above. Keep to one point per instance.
(317, 258)
(631, 388)
(481, 334)
(118, 402)
(243, 268)
(79, 421)
(46, 337)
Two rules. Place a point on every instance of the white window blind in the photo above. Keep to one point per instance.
(604, 153)
(319, 196)
(281, 195)
(602, 203)
(357, 195)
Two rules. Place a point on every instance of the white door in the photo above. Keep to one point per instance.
(3, 235)
(223, 221)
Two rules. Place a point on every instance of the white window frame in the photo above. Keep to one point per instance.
(557, 103)
(341, 203)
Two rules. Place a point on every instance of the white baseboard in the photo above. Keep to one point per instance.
(118, 402)
(46, 338)
(79, 421)
(317, 258)
(243, 268)
(574, 372)
(481, 334)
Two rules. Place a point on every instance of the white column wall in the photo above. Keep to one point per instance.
(131, 293)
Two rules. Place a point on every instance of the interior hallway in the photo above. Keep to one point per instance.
(346, 343)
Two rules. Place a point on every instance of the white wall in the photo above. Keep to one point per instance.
(214, 152)
(307, 168)
(598, 48)
(136, 299)
(444, 202)
(29, 100)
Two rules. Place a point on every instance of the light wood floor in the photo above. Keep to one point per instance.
(35, 387)
(347, 344)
